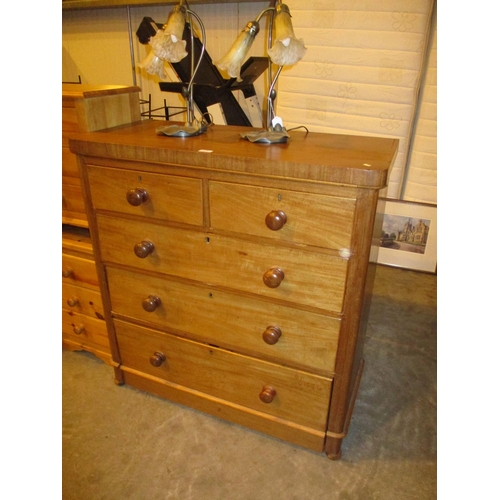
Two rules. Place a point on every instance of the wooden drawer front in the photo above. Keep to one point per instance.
(72, 195)
(84, 329)
(69, 124)
(82, 300)
(304, 338)
(78, 271)
(300, 397)
(69, 164)
(312, 279)
(169, 198)
(311, 219)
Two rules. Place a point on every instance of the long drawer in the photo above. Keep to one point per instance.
(306, 218)
(164, 197)
(294, 275)
(276, 390)
(249, 325)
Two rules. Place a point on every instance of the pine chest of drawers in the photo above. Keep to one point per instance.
(233, 274)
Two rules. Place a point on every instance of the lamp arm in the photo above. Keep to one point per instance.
(271, 96)
(193, 74)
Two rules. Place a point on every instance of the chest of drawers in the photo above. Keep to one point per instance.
(233, 274)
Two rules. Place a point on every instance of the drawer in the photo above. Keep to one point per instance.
(256, 327)
(308, 278)
(305, 218)
(72, 195)
(69, 124)
(299, 397)
(82, 300)
(69, 164)
(165, 197)
(85, 330)
(78, 271)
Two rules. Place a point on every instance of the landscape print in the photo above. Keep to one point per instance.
(405, 233)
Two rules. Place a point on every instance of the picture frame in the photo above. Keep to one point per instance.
(405, 235)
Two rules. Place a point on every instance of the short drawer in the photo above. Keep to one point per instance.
(254, 326)
(72, 195)
(294, 275)
(165, 197)
(84, 330)
(69, 164)
(291, 394)
(78, 271)
(82, 300)
(305, 218)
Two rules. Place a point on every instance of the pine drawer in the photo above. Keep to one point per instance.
(82, 300)
(164, 197)
(79, 271)
(307, 278)
(257, 327)
(304, 218)
(87, 331)
(299, 396)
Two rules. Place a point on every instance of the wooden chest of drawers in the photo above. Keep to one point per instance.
(233, 274)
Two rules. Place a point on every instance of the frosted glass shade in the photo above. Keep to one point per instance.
(167, 43)
(233, 60)
(154, 65)
(287, 49)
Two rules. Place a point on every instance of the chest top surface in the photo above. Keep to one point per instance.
(342, 159)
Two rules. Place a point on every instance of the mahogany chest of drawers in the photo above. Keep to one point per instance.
(233, 274)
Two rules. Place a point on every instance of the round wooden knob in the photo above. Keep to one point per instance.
(157, 359)
(68, 272)
(72, 301)
(271, 335)
(137, 196)
(267, 394)
(273, 277)
(151, 302)
(275, 220)
(79, 329)
(143, 249)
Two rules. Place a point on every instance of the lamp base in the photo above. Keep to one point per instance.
(185, 130)
(273, 135)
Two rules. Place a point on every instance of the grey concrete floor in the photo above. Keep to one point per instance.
(121, 443)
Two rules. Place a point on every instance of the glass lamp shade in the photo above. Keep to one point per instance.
(167, 43)
(287, 49)
(233, 60)
(154, 65)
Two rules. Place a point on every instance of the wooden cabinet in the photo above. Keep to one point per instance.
(233, 274)
(85, 108)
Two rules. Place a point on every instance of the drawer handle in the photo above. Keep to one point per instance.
(275, 220)
(157, 359)
(137, 196)
(72, 302)
(68, 272)
(273, 277)
(271, 335)
(143, 249)
(267, 394)
(150, 303)
(79, 329)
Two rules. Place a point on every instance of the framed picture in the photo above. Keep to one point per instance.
(405, 235)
